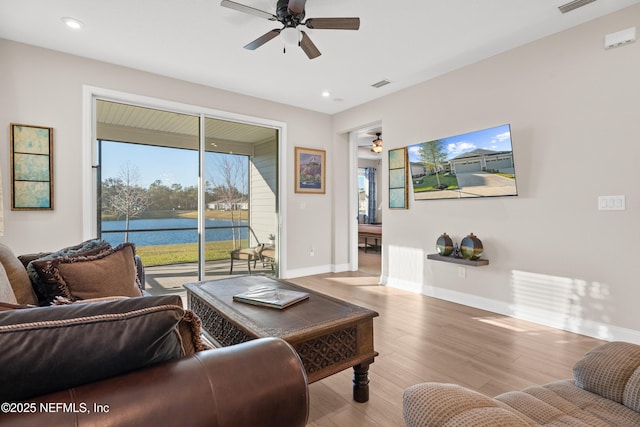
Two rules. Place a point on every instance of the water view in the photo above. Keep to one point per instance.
(187, 231)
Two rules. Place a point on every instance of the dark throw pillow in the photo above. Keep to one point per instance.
(45, 349)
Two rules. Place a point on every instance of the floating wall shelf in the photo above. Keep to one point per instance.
(472, 263)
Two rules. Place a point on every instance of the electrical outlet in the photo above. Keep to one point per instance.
(311, 251)
(462, 272)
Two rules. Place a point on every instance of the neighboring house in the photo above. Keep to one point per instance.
(225, 206)
(482, 160)
(418, 170)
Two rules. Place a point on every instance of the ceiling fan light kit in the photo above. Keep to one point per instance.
(291, 14)
(377, 144)
(290, 36)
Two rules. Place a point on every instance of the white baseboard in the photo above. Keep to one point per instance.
(310, 271)
(589, 328)
(340, 268)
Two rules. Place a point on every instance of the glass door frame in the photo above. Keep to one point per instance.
(89, 161)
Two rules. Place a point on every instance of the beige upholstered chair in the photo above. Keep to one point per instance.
(247, 254)
(604, 391)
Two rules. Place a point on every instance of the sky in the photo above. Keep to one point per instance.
(497, 139)
(169, 165)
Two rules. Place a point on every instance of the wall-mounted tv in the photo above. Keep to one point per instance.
(474, 164)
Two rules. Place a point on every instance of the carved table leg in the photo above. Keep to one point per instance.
(361, 382)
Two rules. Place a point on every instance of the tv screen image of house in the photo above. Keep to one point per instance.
(474, 164)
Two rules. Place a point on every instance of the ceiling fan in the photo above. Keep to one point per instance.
(291, 13)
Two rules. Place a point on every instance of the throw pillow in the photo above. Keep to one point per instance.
(111, 272)
(189, 328)
(45, 349)
(38, 266)
(4, 306)
(18, 276)
(6, 291)
(46, 285)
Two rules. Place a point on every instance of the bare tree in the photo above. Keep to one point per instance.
(231, 188)
(126, 198)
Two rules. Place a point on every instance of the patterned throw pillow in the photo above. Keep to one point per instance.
(38, 266)
(111, 272)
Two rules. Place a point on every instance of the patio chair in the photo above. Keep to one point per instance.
(249, 254)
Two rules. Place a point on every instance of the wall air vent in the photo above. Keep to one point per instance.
(573, 5)
(381, 83)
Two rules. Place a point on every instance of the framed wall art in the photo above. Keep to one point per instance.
(398, 190)
(310, 170)
(31, 167)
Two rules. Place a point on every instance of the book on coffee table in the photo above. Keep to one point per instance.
(271, 297)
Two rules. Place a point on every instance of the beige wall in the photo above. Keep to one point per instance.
(43, 87)
(574, 109)
(555, 258)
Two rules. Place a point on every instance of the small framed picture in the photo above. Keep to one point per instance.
(31, 167)
(310, 170)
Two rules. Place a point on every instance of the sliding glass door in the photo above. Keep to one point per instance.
(186, 223)
(240, 197)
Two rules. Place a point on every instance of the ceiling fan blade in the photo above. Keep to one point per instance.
(262, 39)
(296, 7)
(248, 9)
(308, 47)
(333, 23)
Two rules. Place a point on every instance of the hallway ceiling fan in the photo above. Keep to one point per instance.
(291, 14)
(377, 144)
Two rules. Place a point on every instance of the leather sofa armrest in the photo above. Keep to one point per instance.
(437, 404)
(257, 383)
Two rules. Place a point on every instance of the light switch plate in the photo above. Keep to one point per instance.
(611, 203)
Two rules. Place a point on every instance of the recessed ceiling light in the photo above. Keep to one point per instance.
(72, 23)
(326, 94)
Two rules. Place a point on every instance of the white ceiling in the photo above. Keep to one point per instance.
(406, 42)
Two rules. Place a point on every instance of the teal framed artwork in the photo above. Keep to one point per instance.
(31, 167)
(398, 191)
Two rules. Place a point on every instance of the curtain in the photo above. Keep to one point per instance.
(372, 209)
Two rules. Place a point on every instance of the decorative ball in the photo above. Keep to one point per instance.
(444, 245)
(471, 247)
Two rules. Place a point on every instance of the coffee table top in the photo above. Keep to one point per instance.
(319, 312)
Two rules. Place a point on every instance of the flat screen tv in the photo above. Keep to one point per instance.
(474, 164)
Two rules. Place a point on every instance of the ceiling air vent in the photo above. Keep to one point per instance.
(573, 5)
(381, 83)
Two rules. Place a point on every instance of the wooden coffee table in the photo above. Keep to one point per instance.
(329, 335)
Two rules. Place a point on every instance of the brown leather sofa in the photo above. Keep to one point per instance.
(133, 361)
(258, 383)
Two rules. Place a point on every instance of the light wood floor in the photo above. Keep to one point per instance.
(425, 339)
